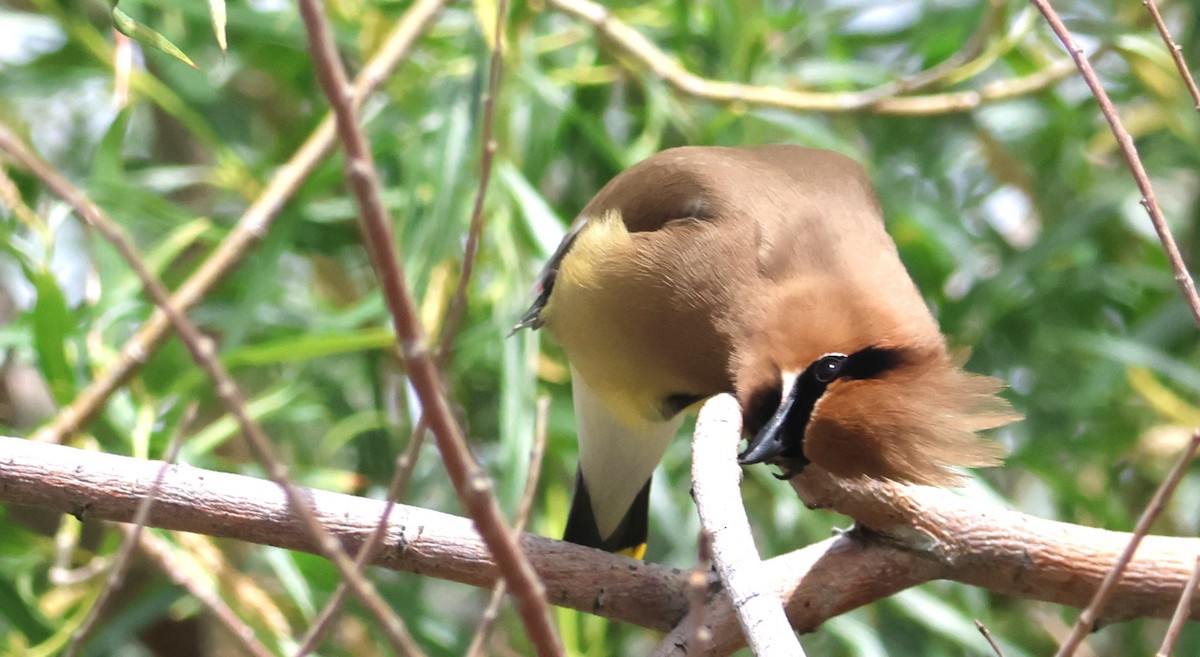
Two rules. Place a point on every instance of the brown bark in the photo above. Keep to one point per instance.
(920, 534)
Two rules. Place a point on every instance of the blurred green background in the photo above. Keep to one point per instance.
(1018, 221)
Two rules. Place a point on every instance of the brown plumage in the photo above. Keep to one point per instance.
(761, 271)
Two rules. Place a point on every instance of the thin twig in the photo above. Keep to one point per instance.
(635, 45)
(201, 351)
(1087, 618)
(402, 474)
(965, 56)
(1182, 611)
(536, 455)
(160, 552)
(988, 637)
(1187, 286)
(1176, 52)
(116, 575)
(1149, 201)
(487, 153)
(248, 231)
(450, 327)
(715, 480)
(470, 482)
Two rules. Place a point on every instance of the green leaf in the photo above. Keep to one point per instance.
(217, 9)
(350, 427)
(51, 330)
(24, 617)
(146, 36)
(301, 348)
(540, 219)
(226, 427)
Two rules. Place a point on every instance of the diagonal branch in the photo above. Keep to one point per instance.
(1087, 619)
(536, 454)
(1181, 613)
(472, 485)
(406, 461)
(201, 351)
(159, 551)
(246, 234)
(636, 46)
(1187, 287)
(1176, 52)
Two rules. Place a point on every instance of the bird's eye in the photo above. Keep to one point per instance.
(827, 369)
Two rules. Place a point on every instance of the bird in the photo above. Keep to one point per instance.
(765, 272)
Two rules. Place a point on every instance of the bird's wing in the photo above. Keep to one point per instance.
(545, 281)
(665, 187)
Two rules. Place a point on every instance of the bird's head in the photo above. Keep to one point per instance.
(861, 389)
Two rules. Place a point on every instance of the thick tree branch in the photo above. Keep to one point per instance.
(919, 534)
(98, 486)
(1006, 551)
(907, 535)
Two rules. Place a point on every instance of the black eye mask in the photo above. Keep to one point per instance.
(781, 437)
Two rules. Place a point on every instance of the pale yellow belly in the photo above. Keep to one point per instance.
(637, 335)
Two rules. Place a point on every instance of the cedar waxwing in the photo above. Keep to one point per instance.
(760, 271)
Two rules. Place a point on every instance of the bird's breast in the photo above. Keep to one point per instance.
(639, 317)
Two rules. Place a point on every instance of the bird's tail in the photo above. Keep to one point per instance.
(629, 537)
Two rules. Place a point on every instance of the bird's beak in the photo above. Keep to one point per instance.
(768, 443)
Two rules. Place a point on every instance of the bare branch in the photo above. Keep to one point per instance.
(1088, 617)
(536, 455)
(715, 487)
(638, 47)
(201, 351)
(919, 534)
(250, 229)
(102, 486)
(160, 552)
(487, 153)
(401, 475)
(1176, 52)
(133, 537)
(987, 636)
(1182, 611)
(1187, 286)
(1184, 279)
(472, 485)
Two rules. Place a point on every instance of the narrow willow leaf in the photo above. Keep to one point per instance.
(217, 9)
(485, 13)
(52, 330)
(144, 35)
(311, 346)
(25, 618)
